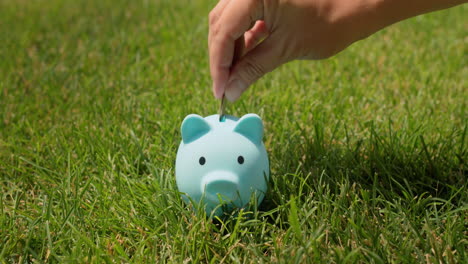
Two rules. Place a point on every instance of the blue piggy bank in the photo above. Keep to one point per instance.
(222, 162)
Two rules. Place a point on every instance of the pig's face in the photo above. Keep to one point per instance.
(222, 160)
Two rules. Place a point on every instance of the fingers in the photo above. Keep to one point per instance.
(218, 75)
(262, 59)
(252, 37)
(226, 26)
(215, 14)
(217, 10)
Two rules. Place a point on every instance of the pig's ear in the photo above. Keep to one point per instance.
(193, 127)
(251, 127)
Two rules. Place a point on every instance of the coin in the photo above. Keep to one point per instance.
(222, 106)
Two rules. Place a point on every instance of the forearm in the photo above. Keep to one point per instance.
(392, 11)
(362, 18)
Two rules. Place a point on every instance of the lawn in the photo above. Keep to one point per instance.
(367, 150)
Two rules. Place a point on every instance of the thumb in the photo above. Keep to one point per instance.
(252, 66)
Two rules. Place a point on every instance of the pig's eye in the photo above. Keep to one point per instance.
(240, 159)
(202, 160)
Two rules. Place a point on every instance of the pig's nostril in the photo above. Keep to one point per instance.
(227, 190)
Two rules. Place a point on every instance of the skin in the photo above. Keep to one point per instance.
(249, 38)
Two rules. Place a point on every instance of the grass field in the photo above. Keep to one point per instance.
(368, 149)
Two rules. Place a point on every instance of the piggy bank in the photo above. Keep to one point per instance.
(222, 164)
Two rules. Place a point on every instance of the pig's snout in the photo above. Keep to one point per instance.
(220, 184)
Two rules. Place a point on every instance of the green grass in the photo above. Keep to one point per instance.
(368, 149)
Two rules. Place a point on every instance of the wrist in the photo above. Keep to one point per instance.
(358, 19)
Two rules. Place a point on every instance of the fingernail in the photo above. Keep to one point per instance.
(234, 89)
(217, 92)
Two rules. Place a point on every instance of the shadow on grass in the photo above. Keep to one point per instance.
(392, 163)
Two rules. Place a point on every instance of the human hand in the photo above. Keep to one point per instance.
(278, 31)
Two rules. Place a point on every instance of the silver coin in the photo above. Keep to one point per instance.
(221, 108)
